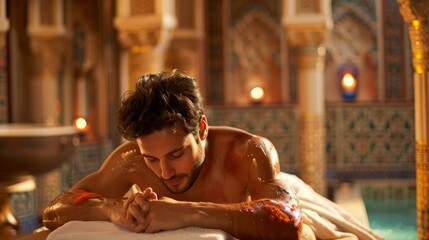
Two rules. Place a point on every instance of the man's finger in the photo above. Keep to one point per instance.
(137, 212)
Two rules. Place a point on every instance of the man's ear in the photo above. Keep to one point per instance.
(204, 128)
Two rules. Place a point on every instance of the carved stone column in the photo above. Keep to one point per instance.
(415, 13)
(306, 23)
(144, 34)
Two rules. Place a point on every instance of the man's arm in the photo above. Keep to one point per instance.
(98, 196)
(258, 219)
(272, 213)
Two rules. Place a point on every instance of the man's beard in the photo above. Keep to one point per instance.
(196, 169)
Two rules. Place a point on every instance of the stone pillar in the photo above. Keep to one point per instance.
(46, 32)
(144, 34)
(311, 114)
(306, 23)
(47, 37)
(415, 13)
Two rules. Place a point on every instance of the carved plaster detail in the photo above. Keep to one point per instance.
(350, 39)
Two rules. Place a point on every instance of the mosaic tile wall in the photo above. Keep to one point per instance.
(27, 205)
(388, 191)
(374, 142)
(278, 124)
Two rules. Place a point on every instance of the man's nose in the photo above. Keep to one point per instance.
(167, 171)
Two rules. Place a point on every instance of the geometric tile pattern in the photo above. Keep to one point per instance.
(371, 137)
(394, 51)
(371, 141)
(87, 158)
(388, 190)
(278, 124)
(24, 205)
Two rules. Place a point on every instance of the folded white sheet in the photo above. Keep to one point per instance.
(327, 219)
(93, 230)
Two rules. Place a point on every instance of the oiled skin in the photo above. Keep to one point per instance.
(237, 189)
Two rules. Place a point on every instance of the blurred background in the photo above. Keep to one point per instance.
(330, 83)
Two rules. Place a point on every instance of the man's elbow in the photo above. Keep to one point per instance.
(284, 222)
(50, 218)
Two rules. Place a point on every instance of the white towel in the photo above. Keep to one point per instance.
(327, 219)
(92, 230)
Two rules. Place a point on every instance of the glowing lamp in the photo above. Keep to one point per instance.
(81, 125)
(257, 95)
(348, 81)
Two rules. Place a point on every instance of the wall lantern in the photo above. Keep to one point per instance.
(257, 95)
(348, 77)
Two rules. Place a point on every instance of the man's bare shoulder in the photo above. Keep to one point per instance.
(231, 134)
(238, 146)
(127, 147)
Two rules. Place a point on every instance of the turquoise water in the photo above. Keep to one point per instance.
(393, 220)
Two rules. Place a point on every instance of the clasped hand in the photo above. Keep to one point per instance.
(144, 212)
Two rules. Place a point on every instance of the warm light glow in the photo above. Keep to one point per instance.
(257, 93)
(416, 23)
(348, 83)
(80, 123)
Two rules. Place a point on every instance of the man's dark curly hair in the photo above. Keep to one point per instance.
(160, 100)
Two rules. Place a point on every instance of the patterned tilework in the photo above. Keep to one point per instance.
(24, 205)
(88, 158)
(388, 190)
(28, 205)
(361, 141)
(215, 57)
(394, 52)
(371, 137)
(48, 187)
(238, 9)
(277, 124)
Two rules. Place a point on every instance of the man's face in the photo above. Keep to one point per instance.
(174, 156)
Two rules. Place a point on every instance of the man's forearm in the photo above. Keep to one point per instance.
(262, 219)
(68, 207)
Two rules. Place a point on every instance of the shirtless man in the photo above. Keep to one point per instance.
(190, 174)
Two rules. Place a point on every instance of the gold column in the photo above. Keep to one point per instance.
(415, 13)
(312, 117)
